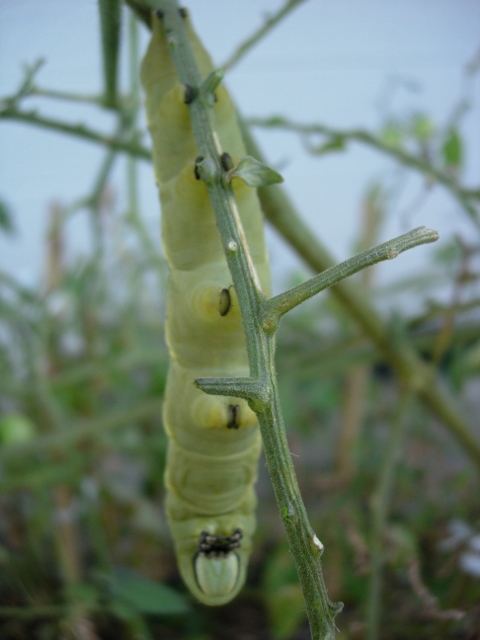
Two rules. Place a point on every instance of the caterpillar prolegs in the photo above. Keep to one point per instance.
(214, 441)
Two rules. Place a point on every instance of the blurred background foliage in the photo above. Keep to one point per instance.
(84, 548)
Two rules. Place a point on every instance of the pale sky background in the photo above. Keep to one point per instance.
(328, 62)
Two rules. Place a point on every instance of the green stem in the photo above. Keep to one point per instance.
(133, 212)
(279, 305)
(142, 12)
(67, 96)
(110, 18)
(258, 35)
(306, 549)
(80, 131)
(410, 369)
(261, 388)
(132, 190)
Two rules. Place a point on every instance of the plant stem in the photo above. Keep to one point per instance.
(133, 209)
(261, 388)
(80, 131)
(462, 194)
(110, 18)
(267, 26)
(410, 370)
(279, 305)
(67, 96)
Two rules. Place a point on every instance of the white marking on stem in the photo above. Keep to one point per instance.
(317, 543)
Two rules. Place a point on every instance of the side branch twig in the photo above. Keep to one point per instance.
(131, 147)
(255, 38)
(410, 370)
(284, 302)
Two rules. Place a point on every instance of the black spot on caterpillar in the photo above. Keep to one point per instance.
(233, 422)
(183, 12)
(213, 441)
(225, 303)
(198, 159)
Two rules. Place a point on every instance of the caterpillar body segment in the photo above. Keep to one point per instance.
(214, 441)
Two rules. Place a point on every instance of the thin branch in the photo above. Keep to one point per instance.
(133, 210)
(26, 85)
(462, 194)
(110, 18)
(80, 131)
(430, 608)
(267, 26)
(250, 389)
(28, 89)
(142, 12)
(282, 214)
(279, 305)
(68, 96)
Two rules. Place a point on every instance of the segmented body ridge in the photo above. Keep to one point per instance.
(214, 442)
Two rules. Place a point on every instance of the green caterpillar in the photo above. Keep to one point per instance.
(214, 442)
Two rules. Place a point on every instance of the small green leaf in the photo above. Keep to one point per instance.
(146, 596)
(452, 149)
(209, 85)
(392, 135)
(275, 121)
(254, 173)
(423, 127)
(334, 144)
